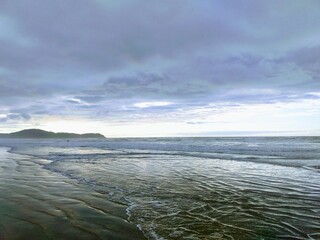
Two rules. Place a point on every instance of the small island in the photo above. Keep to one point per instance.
(41, 134)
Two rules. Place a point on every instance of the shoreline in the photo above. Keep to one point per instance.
(39, 204)
(173, 192)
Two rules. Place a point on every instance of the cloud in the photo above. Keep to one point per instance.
(14, 117)
(107, 60)
(151, 104)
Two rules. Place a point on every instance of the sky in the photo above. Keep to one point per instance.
(137, 68)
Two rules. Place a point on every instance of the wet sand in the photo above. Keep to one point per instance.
(199, 189)
(38, 204)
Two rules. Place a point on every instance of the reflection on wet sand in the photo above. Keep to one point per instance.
(38, 204)
(173, 188)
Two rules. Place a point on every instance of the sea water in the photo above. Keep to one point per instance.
(197, 188)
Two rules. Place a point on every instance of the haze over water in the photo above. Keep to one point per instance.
(169, 188)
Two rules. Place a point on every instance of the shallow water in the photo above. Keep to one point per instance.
(38, 204)
(187, 188)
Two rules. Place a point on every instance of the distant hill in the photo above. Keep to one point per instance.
(38, 133)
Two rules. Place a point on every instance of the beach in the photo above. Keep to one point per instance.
(160, 188)
(38, 204)
(159, 120)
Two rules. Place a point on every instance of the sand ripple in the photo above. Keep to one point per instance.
(38, 204)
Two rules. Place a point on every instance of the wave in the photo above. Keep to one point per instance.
(241, 192)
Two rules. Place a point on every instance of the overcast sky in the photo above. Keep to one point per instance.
(160, 68)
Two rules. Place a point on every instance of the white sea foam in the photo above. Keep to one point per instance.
(199, 188)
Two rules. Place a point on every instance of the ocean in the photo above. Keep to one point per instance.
(160, 188)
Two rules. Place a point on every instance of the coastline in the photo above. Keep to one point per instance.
(169, 188)
(39, 204)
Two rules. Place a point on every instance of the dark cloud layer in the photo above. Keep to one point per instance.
(99, 58)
